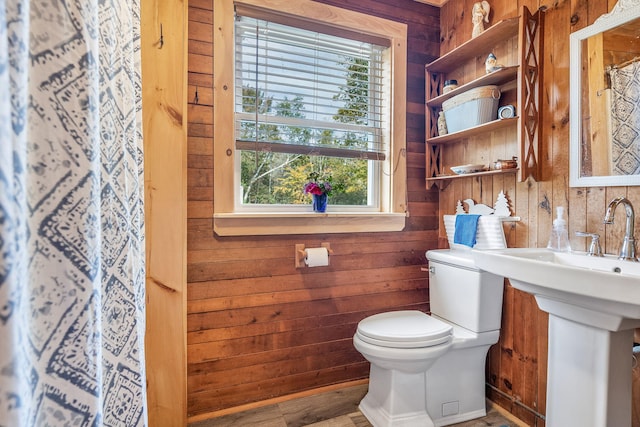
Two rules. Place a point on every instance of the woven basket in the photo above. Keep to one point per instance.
(471, 108)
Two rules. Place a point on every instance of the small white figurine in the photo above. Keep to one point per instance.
(479, 209)
(502, 205)
(442, 124)
(491, 63)
(459, 208)
(479, 15)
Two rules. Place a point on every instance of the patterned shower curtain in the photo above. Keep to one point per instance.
(71, 214)
(625, 119)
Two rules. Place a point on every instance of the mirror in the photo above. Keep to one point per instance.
(605, 99)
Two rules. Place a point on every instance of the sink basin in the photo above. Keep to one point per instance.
(606, 285)
(593, 305)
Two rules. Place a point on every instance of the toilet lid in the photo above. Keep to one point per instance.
(404, 329)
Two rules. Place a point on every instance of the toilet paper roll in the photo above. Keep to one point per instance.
(316, 257)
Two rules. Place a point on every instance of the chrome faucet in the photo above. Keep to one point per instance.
(628, 248)
(594, 248)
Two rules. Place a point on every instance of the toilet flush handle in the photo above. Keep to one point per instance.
(432, 270)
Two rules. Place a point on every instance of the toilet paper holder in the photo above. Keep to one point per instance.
(301, 254)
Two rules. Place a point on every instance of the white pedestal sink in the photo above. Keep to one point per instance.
(593, 305)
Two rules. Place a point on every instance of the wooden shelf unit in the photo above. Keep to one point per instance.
(473, 131)
(490, 37)
(499, 77)
(525, 76)
(443, 180)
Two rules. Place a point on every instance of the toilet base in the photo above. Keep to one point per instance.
(456, 382)
(378, 417)
(460, 418)
(396, 399)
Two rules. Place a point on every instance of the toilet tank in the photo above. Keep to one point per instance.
(461, 293)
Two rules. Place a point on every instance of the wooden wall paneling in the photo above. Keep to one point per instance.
(521, 326)
(502, 353)
(267, 389)
(286, 324)
(500, 140)
(259, 328)
(526, 354)
(240, 287)
(509, 188)
(165, 146)
(267, 370)
(599, 8)
(578, 203)
(507, 363)
(579, 197)
(449, 18)
(300, 296)
(551, 118)
(482, 148)
(561, 18)
(593, 203)
(468, 186)
(555, 162)
(211, 370)
(596, 197)
(465, 29)
(542, 222)
(504, 9)
(485, 190)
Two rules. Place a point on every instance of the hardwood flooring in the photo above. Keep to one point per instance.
(337, 408)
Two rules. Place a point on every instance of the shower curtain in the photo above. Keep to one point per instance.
(71, 214)
(625, 119)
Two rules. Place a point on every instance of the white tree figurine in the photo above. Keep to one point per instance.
(502, 205)
(459, 208)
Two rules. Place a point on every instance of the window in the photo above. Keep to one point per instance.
(303, 95)
(307, 102)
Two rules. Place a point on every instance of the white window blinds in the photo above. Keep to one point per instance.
(308, 92)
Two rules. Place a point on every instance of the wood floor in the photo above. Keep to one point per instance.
(337, 408)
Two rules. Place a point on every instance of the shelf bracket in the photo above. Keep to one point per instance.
(531, 42)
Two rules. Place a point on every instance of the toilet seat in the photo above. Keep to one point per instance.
(404, 329)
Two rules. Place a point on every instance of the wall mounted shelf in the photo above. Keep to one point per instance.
(443, 181)
(523, 33)
(498, 77)
(483, 43)
(473, 131)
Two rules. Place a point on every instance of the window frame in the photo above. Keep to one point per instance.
(393, 193)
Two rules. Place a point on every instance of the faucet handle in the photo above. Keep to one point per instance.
(594, 247)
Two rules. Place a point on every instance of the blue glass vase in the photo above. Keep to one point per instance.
(319, 202)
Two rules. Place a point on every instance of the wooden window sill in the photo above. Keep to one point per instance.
(258, 224)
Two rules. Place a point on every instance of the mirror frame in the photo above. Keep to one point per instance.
(623, 12)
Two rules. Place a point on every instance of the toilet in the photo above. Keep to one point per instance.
(429, 370)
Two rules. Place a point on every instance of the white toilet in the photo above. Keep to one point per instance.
(430, 370)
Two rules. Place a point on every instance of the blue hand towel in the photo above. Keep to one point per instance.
(466, 229)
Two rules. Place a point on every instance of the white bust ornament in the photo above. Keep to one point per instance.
(479, 15)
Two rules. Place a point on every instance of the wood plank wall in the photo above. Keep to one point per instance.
(257, 327)
(517, 364)
(165, 158)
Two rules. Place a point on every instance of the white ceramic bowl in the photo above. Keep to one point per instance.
(459, 170)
